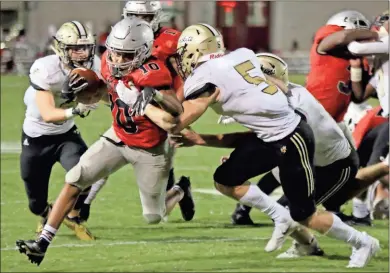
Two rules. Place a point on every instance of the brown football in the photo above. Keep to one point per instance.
(91, 94)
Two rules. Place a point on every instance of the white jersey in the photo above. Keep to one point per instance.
(48, 74)
(330, 143)
(245, 95)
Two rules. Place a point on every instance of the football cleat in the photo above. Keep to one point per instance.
(84, 212)
(298, 250)
(187, 205)
(279, 235)
(240, 217)
(81, 231)
(34, 250)
(362, 255)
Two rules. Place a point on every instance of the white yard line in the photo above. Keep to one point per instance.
(178, 241)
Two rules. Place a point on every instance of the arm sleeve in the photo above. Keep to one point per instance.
(198, 83)
(39, 77)
(374, 81)
(379, 47)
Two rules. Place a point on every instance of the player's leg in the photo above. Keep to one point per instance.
(249, 159)
(296, 173)
(101, 159)
(151, 168)
(86, 207)
(69, 154)
(378, 139)
(179, 192)
(267, 184)
(36, 161)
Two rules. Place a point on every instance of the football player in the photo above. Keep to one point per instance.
(49, 132)
(138, 140)
(372, 131)
(333, 155)
(329, 76)
(234, 84)
(164, 47)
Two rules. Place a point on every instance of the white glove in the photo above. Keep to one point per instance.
(127, 95)
(226, 120)
(81, 108)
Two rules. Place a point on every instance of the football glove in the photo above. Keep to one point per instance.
(127, 94)
(83, 110)
(73, 85)
(143, 99)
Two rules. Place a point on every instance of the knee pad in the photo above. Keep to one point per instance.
(37, 207)
(153, 218)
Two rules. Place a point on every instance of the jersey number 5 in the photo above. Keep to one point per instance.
(245, 67)
(122, 116)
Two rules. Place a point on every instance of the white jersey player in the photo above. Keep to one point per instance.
(234, 85)
(49, 132)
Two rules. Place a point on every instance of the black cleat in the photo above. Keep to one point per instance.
(34, 250)
(84, 212)
(365, 221)
(241, 217)
(187, 205)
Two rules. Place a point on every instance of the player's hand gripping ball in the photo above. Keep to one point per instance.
(82, 84)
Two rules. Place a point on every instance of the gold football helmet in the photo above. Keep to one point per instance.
(198, 43)
(74, 36)
(274, 66)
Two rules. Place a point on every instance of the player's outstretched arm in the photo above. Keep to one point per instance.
(161, 118)
(332, 44)
(168, 101)
(188, 138)
(194, 109)
(369, 48)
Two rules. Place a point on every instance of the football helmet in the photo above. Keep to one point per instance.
(134, 8)
(349, 19)
(74, 35)
(132, 36)
(198, 43)
(380, 19)
(273, 65)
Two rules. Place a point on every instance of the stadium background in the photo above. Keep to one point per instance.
(125, 243)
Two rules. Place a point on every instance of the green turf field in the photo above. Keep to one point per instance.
(125, 242)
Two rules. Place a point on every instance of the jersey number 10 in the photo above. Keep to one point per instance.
(245, 67)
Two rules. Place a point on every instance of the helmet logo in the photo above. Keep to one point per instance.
(186, 39)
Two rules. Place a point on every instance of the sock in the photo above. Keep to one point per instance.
(256, 198)
(344, 232)
(360, 209)
(48, 233)
(96, 187)
(267, 185)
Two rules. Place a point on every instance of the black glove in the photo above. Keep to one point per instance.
(72, 85)
(143, 99)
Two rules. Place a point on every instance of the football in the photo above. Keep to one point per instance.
(91, 94)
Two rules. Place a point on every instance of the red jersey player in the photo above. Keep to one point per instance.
(127, 69)
(329, 75)
(164, 48)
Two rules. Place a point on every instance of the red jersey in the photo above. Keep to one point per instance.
(164, 46)
(136, 131)
(328, 77)
(370, 120)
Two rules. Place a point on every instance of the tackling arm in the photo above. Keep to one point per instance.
(189, 137)
(333, 42)
(168, 101)
(369, 48)
(47, 109)
(195, 108)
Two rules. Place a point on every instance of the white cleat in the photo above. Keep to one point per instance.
(279, 235)
(298, 250)
(362, 255)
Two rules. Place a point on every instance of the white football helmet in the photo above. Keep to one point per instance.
(74, 35)
(136, 8)
(273, 65)
(132, 36)
(349, 19)
(198, 43)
